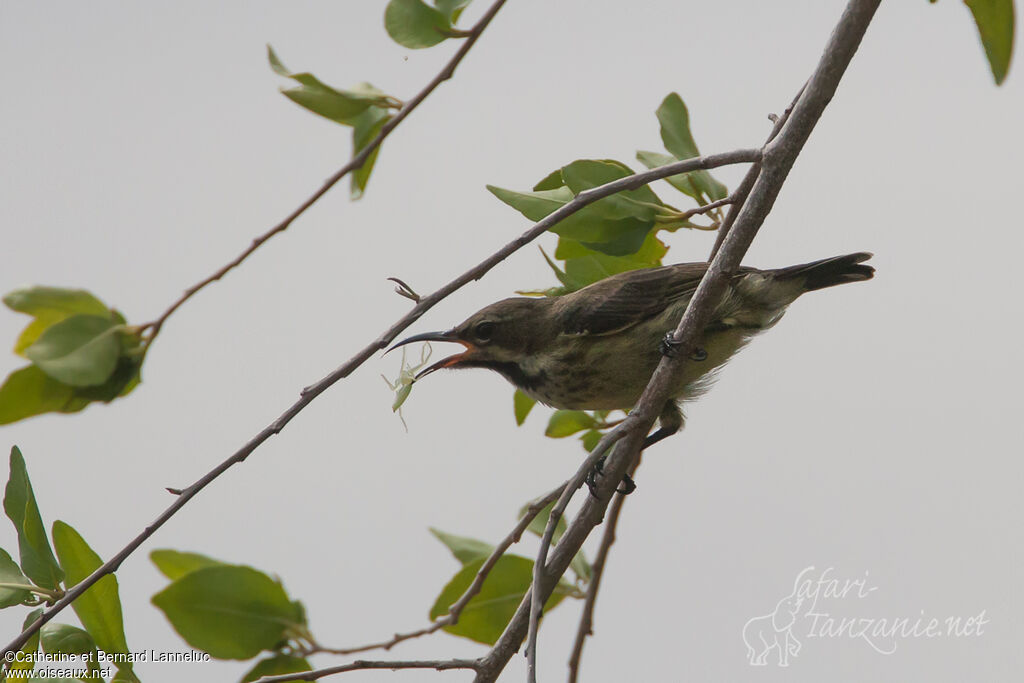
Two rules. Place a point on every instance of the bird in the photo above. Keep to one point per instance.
(597, 347)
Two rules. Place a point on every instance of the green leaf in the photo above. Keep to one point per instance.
(675, 127)
(675, 134)
(231, 612)
(62, 639)
(30, 647)
(707, 184)
(49, 305)
(581, 567)
(522, 405)
(414, 24)
(570, 285)
(487, 614)
(365, 128)
(534, 205)
(39, 300)
(80, 351)
(66, 640)
(98, 608)
(10, 573)
(697, 184)
(585, 266)
(584, 174)
(37, 560)
(174, 564)
(552, 181)
(627, 215)
(994, 19)
(649, 255)
(590, 439)
(276, 665)
(451, 8)
(682, 181)
(125, 674)
(464, 549)
(618, 238)
(599, 224)
(340, 106)
(540, 522)
(30, 391)
(615, 225)
(567, 422)
(126, 376)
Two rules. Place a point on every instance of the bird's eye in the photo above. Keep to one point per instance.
(484, 331)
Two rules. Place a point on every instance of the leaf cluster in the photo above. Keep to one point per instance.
(80, 351)
(612, 235)
(486, 615)
(41, 578)
(233, 611)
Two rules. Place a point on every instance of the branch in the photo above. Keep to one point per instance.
(586, 626)
(316, 674)
(779, 156)
(309, 393)
(455, 610)
(355, 163)
(690, 213)
(536, 598)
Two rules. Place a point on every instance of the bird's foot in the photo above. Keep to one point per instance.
(670, 347)
(627, 487)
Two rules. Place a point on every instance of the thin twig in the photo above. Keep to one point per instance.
(355, 163)
(309, 393)
(405, 290)
(586, 626)
(779, 157)
(362, 664)
(690, 213)
(455, 610)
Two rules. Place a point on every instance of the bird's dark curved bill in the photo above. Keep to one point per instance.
(425, 337)
(449, 336)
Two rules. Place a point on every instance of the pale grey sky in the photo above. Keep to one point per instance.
(874, 430)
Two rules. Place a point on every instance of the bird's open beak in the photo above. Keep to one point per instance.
(450, 361)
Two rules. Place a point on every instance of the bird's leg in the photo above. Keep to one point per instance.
(627, 487)
(670, 421)
(670, 347)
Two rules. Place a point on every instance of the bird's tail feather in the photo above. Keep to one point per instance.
(829, 272)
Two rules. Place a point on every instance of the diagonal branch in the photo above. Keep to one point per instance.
(309, 393)
(779, 157)
(586, 626)
(355, 163)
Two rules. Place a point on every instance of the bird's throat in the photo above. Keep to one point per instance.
(510, 370)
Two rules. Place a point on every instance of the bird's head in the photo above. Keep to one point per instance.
(496, 337)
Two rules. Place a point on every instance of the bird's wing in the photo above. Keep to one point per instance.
(624, 300)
